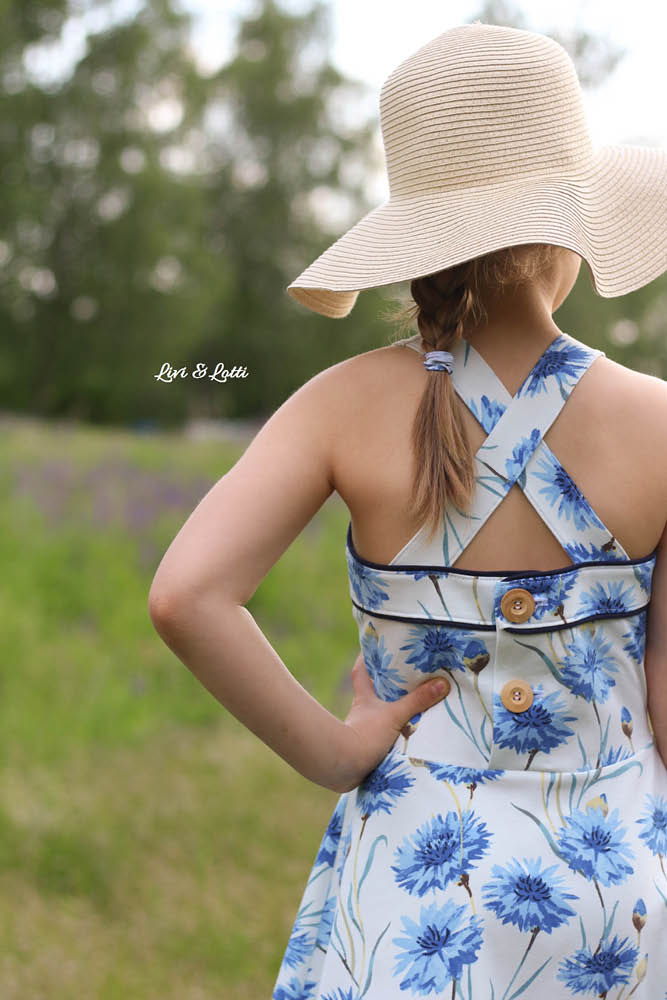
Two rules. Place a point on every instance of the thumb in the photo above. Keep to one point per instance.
(424, 696)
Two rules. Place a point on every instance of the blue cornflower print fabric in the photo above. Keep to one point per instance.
(497, 852)
(440, 850)
(436, 948)
(528, 894)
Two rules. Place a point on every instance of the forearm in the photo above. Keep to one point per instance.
(222, 645)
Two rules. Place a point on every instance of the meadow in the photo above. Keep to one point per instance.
(150, 845)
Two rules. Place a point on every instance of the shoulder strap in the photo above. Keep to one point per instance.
(510, 455)
(515, 452)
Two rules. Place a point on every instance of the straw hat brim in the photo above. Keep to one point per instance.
(613, 214)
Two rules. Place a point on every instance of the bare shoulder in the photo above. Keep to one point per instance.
(634, 385)
(367, 364)
(361, 408)
(636, 399)
(355, 385)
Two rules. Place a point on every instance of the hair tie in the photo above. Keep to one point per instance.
(439, 361)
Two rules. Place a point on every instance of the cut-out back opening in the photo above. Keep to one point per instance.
(550, 514)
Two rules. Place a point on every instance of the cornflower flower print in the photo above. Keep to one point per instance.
(626, 724)
(593, 843)
(329, 845)
(654, 826)
(530, 897)
(440, 851)
(613, 599)
(367, 590)
(387, 681)
(589, 665)
(475, 659)
(562, 361)
(526, 894)
(515, 464)
(436, 948)
(644, 572)
(548, 592)
(539, 729)
(562, 492)
(594, 553)
(639, 916)
(436, 647)
(488, 413)
(295, 990)
(342, 994)
(380, 790)
(612, 755)
(461, 775)
(409, 728)
(636, 636)
(494, 854)
(475, 656)
(300, 944)
(595, 973)
(325, 925)
(598, 802)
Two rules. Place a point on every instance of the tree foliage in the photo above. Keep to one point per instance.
(154, 213)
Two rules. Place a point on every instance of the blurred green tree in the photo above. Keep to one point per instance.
(292, 163)
(154, 213)
(106, 274)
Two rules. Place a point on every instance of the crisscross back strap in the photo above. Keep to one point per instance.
(515, 452)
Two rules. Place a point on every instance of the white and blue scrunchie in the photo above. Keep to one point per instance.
(439, 361)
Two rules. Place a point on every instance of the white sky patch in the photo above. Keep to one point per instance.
(371, 38)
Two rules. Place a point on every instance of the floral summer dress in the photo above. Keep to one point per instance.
(513, 844)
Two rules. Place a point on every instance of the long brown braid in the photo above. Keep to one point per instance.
(446, 304)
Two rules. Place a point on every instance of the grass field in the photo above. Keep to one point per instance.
(147, 851)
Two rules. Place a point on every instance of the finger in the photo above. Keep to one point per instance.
(424, 696)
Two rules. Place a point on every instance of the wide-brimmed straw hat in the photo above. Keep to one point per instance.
(487, 146)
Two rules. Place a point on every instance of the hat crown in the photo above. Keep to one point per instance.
(481, 104)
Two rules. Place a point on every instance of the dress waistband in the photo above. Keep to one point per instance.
(547, 600)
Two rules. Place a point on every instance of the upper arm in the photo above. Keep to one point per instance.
(656, 622)
(254, 512)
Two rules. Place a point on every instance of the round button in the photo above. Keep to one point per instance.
(516, 696)
(517, 604)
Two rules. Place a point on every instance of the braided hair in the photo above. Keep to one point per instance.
(445, 305)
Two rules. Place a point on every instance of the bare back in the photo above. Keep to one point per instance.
(611, 438)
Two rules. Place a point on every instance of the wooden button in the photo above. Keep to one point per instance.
(516, 696)
(517, 604)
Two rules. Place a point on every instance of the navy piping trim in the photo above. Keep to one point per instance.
(483, 626)
(511, 574)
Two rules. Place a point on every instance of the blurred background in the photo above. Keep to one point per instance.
(167, 169)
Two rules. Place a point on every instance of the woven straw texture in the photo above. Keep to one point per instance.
(486, 146)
